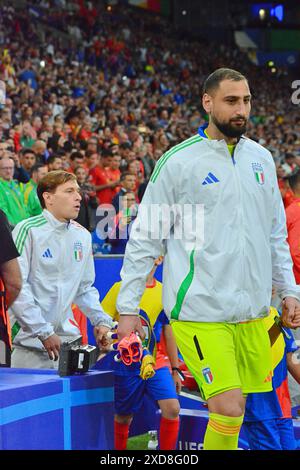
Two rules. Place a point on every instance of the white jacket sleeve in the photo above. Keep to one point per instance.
(151, 227)
(87, 296)
(28, 314)
(282, 267)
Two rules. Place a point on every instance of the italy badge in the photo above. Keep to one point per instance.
(258, 173)
(78, 253)
(208, 377)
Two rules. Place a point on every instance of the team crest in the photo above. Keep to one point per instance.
(208, 377)
(258, 173)
(78, 251)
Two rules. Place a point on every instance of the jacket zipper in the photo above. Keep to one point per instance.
(58, 319)
(240, 196)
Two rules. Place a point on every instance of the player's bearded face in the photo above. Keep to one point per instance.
(229, 107)
(233, 127)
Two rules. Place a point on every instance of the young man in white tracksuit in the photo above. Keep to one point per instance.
(57, 269)
(216, 287)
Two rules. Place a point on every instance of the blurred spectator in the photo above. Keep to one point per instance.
(92, 145)
(283, 183)
(27, 160)
(119, 234)
(115, 171)
(20, 174)
(76, 159)
(128, 183)
(32, 202)
(136, 168)
(88, 203)
(40, 149)
(54, 163)
(27, 137)
(103, 179)
(147, 161)
(11, 195)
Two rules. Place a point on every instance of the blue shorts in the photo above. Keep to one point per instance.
(271, 434)
(130, 390)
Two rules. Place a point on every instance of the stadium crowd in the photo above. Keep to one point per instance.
(96, 91)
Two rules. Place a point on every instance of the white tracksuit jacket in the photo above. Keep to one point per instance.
(229, 278)
(57, 269)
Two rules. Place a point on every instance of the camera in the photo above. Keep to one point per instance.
(76, 358)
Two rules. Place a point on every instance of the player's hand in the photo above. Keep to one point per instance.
(130, 324)
(52, 346)
(100, 333)
(177, 381)
(290, 312)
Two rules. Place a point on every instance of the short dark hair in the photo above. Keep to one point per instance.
(126, 173)
(294, 178)
(51, 181)
(26, 150)
(106, 153)
(76, 154)
(36, 167)
(89, 153)
(52, 158)
(125, 145)
(214, 79)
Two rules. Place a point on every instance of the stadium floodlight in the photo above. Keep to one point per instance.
(262, 14)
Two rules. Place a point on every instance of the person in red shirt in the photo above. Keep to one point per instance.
(286, 192)
(102, 177)
(293, 223)
(115, 171)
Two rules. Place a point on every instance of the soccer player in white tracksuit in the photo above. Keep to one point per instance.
(216, 287)
(57, 269)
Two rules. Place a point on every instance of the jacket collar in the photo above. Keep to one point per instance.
(57, 224)
(217, 143)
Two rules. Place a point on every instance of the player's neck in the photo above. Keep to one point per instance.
(58, 216)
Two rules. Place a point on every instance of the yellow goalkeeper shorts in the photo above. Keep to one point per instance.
(226, 356)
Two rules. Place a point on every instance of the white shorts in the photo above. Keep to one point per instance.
(23, 358)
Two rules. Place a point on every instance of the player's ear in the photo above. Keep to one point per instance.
(207, 102)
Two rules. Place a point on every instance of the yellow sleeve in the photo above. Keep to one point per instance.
(110, 301)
